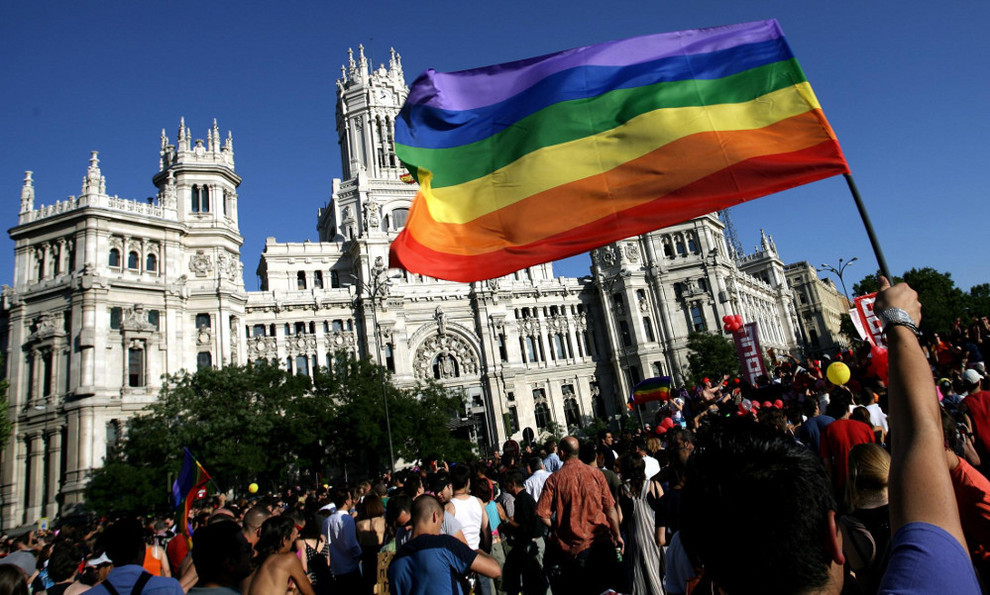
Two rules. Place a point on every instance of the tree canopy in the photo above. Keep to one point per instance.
(711, 355)
(260, 424)
(943, 302)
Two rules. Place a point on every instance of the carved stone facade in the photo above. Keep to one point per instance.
(109, 294)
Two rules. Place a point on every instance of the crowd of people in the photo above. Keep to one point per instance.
(795, 485)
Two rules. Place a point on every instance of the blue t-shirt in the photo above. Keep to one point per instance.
(926, 559)
(430, 565)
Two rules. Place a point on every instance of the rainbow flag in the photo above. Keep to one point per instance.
(192, 477)
(536, 160)
(651, 389)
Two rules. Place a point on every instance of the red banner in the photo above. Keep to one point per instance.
(750, 355)
(869, 325)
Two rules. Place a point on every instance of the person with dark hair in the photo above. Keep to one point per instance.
(578, 505)
(551, 462)
(124, 544)
(523, 570)
(275, 563)
(839, 438)
(810, 432)
(765, 474)
(398, 519)
(12, 580)
(222, 557)
(370, 527)
(62, 566)
(471, 514)
(432, 563)
(345, 551)
(24, 566)
(315, 554)
(605, 442)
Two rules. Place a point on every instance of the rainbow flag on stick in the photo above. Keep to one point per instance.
(192, 478)
(651, 389)
(536, 160)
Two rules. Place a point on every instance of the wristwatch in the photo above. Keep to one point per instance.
(897, 317)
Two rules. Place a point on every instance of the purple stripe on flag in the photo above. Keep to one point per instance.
(478, 87)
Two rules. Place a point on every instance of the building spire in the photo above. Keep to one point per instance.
(362, 61)
(27, 193)
(215, 137)
(94, 182)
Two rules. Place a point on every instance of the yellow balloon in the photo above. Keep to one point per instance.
(253, 488)
(838, 373)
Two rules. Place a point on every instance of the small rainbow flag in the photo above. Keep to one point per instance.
(536, 160)
(192, 477)
(651, 389)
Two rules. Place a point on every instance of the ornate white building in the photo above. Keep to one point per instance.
(821, 308)
(111, 293)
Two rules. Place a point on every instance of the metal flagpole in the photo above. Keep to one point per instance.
(869, 227)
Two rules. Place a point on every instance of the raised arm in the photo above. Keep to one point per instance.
(920, 488)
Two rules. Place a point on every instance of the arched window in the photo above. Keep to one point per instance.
(200, 199)
(318, 279)
(151, 263)
(132, 260)
(301, 280)
(114, 259)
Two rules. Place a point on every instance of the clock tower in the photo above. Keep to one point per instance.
(370, 200)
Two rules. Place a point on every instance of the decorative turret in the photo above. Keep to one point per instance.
(94, 183)
(27, 193)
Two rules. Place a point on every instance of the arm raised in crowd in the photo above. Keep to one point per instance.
(920, 488)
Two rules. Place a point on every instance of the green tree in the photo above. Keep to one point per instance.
(712, 355)
(943, 301)
(258, 423)
(978, 300)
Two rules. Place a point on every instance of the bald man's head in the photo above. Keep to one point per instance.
(569, 447)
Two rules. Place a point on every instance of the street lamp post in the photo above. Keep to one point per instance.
(377, 291)
(838, 271)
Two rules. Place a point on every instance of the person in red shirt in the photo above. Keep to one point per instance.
(582, 556)
(839, 437)
(972, 491)
(976, 407)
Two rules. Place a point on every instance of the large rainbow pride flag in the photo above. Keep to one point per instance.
(536, 160)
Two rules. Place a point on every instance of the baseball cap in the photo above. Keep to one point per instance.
(971, 376)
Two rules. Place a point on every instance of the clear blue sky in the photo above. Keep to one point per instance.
(903, 84)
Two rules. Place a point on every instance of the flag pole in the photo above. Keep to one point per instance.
(869, 227)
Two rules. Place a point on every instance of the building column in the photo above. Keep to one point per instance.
(36, 478)
(53, 467)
